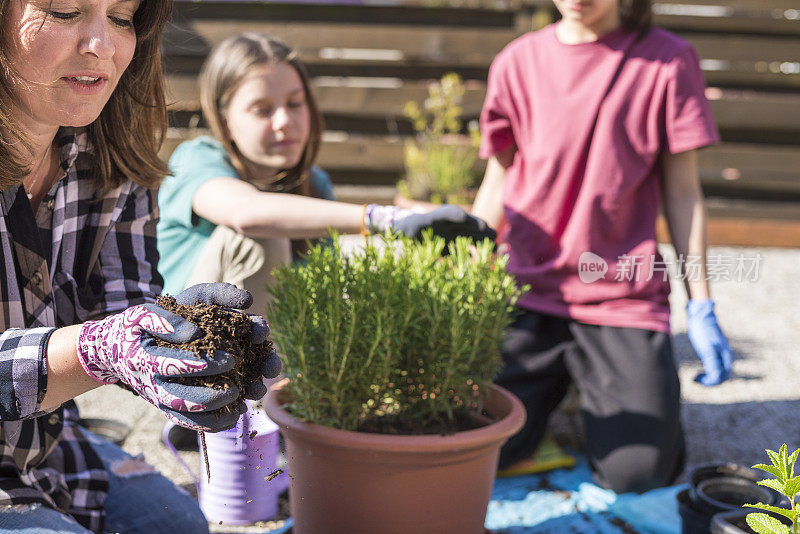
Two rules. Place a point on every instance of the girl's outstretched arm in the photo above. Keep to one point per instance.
(239, 205)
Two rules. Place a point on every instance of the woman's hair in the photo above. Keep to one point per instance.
(636, 15)
(224, 70)
(129, 131)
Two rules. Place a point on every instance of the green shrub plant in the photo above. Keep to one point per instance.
(439, 159)
(785, 483)
(397, 331)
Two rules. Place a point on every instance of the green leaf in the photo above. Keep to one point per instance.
(792, 487)
(783, 457)
(772, 470)
(792, 459)
(773, 483)
(764, 524)
(789, 514)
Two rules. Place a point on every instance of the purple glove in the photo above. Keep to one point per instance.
(709, 342)
(122, 347)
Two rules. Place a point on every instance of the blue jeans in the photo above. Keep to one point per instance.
(136, 503)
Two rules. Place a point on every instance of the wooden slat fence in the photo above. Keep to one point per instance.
(367, 59)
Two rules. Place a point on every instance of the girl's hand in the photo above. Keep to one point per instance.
(447, 221)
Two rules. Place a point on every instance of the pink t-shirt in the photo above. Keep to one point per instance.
(573, 204)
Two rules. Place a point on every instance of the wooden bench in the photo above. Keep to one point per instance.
(367, 59)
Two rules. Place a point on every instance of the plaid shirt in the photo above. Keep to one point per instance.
(81, 256)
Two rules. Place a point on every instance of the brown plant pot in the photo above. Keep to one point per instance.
(346, 482)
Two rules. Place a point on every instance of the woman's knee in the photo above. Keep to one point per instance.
(182, 513)
(159, 506)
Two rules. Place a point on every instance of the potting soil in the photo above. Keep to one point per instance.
(225, 330)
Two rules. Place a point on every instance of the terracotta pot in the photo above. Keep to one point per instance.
(346, 482)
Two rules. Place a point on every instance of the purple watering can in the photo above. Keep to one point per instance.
(244, 487)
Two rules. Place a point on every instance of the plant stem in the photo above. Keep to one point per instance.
(205, 454)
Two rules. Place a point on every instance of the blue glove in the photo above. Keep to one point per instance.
(709, 342)
(230, 296)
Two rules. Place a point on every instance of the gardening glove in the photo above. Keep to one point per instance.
(122, 347)
(709, 342)
(271, 366)
(230, 296)
(447, 221)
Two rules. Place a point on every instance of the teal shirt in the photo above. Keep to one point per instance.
(181, 232)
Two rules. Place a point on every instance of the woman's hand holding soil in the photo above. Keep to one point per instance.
(122, 347)
(230, 296)
(130, 346)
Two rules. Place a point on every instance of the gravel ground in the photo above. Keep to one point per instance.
(734, 422)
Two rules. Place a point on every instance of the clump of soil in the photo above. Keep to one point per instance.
(225, 330)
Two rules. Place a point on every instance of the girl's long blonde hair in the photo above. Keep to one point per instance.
(129, 131)
(223, 71)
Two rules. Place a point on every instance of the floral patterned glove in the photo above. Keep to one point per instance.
(122, 347)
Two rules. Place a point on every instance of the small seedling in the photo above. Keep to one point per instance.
(785, 483)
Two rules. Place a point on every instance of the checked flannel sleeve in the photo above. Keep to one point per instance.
(23, 359)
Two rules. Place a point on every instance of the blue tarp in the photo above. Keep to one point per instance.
(566, 500)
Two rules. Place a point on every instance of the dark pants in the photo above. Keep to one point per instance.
(629, 395)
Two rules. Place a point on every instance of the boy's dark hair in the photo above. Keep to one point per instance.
(636, 15)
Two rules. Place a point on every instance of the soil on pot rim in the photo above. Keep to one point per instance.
(225, 330)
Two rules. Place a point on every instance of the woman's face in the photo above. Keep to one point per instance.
(596, 15)
(268, 118)
(70, 55)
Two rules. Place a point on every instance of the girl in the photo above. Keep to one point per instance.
(243, 202)
(590, 125)
(81, 117)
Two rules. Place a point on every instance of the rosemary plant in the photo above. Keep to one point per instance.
(397, 331)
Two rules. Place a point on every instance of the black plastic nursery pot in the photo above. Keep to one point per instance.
(732, 522)
(720, 488)
(735, 522)
(693, 521)
(715, 488)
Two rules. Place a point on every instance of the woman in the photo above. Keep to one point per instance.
(241, 203)
(589, 125)
(81, 117)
